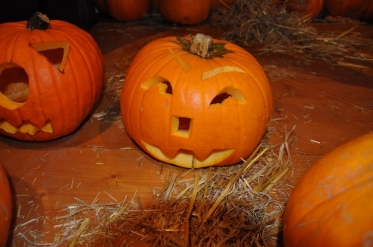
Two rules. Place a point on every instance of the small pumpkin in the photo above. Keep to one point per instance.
(305, 7)
(356, 9)
(196, 101)
(49, 79)
(332, 204)
(185, 12)
(124, 10)
(5, 206)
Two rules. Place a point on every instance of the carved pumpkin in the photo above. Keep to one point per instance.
(49, 79)
(185, 11)
(357, 9)
(332, 204)
(5, 206)
(196, 110)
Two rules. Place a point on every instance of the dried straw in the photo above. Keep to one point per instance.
(239, 205)
(252, 22)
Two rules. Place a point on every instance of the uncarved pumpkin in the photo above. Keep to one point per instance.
(192, 111)
(49, 79)
(220, 3)
(305, 7)
(187, 12)
(127, 10)
(332, 204)
(356, 9)
(5, 206)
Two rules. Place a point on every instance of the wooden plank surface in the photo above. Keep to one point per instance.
(328, 105)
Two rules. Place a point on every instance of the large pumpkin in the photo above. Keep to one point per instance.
(357, 9)
(332, 204)
(49, 79)
(5, 206)
(187, 12)
(196, 110)
(305, 7)
(124, 10)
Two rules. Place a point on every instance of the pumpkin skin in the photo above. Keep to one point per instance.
(5, 206)
(220, 3)
(305, 7)
(332, 204)
(218, 134)
(53, 97)
(127, 10)
(185, 12)
(356, 9)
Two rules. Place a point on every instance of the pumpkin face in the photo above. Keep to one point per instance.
(332, 204)
(185, 11)
(49, 79)
(5, 206)
(213, 112)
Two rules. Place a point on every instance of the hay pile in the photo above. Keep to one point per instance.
(239, 205)
(249, 22)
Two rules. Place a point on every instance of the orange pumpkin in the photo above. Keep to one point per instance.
(192, 111)
(332, 204)
(357, 9)
(5, 206)
(126, 10)
(185, 12)
(220, 3)
(305, 7)
(49, 79)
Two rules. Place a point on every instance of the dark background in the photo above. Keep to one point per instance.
(79, 12)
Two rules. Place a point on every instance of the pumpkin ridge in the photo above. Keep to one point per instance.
(347, 197)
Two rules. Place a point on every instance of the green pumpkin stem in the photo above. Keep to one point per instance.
(202, 45)
(38, 21)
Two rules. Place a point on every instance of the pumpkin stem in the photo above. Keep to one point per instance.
(38, 21)
(203, 45)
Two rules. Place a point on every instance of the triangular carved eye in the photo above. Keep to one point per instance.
(55, 51)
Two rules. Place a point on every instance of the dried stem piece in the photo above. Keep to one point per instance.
(203, 45)
(38, 21)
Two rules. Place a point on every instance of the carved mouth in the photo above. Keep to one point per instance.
(188, 159)
(25, 128)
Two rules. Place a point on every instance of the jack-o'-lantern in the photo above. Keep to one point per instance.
(5, 206)
(196, 101)
(49, 79)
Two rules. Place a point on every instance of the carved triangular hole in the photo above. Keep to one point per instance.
(56, 52)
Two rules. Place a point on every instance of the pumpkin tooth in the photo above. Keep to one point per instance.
(26, 128)
(214, 158)
(47, 127)
(202, 154)
(29, 129)
(7, 127)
